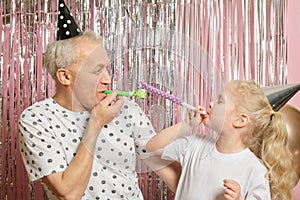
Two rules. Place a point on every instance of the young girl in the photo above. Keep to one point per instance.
(249, 160)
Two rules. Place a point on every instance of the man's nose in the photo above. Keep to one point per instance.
(106, 79)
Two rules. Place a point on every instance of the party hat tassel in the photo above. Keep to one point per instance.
(141, 94)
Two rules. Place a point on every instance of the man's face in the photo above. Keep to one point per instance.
(91, 77)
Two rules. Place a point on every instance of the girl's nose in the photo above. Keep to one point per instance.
(211, 104)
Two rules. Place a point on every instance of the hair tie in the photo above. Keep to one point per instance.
(271, 117)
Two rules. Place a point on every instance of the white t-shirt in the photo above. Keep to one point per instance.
(50, 136)
(204, 169)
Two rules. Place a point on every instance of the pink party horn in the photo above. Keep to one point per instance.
(170, 97)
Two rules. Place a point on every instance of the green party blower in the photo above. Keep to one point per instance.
(141, 94)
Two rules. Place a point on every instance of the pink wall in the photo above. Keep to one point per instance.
(293, 34)
(294, 56)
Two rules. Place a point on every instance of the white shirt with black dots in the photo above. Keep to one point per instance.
(51, 134)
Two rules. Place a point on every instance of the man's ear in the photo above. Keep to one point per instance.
(241, 121)
(64, 76)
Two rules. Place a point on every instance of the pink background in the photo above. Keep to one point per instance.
(293, 60)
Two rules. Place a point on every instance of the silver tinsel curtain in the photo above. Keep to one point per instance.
(187, 48)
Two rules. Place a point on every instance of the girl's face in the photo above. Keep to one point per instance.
(220, 113)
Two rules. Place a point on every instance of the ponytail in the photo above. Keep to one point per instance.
(277, 158)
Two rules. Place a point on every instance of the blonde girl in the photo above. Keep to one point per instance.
(249, 160)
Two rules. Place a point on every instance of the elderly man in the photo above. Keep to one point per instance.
(81, 142)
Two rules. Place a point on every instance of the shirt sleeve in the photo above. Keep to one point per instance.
(41, 152)
(260, 189)
(143, 130)
(176, 150)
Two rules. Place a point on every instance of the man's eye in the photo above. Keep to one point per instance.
(98, 71)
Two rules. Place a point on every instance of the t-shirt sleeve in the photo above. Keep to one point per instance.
(260, 189)
(176, 150)
(41, 152)
(143, 130)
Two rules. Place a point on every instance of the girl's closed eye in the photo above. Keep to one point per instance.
(220, 99)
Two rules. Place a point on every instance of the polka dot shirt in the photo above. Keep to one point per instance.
(50, 136)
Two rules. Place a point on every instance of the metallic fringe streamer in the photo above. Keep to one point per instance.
(188, 49)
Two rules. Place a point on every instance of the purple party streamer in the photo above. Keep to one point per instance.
(170, 97)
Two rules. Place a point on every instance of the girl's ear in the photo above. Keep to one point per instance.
(241, 121)
(64, 76)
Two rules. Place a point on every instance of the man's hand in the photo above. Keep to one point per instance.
(103, 113)
(232, 190)
(107, 109)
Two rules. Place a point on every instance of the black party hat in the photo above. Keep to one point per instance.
(67, 27)
(279, 95)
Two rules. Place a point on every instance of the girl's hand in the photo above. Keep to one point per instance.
(232, 190)
(195, 117)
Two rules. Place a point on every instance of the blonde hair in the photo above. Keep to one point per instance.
(267, 137)
(64, 53)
